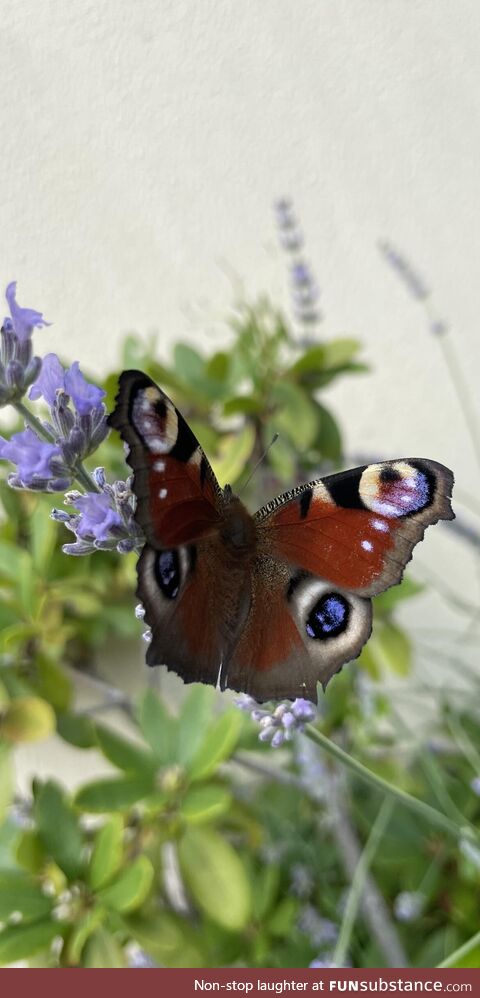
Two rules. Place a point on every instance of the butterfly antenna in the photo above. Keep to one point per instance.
(259, 462)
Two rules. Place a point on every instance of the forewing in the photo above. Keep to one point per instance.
(178, 496)
(358, 529)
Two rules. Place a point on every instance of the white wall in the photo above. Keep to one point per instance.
(143, 143)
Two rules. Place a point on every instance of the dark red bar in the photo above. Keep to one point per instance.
(235, 982)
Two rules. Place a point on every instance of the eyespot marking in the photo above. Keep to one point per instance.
(328, 617)
(167, 573)
(396, 490)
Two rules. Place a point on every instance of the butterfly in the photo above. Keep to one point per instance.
(272, 603)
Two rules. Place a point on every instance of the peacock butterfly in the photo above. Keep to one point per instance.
(271, 603)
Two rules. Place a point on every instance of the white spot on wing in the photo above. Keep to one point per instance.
(159, 466)
(367, 545)
(380, 525)
(158, 446)
(162, 493)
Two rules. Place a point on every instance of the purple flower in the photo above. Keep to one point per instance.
(50, 380)
(278, 725)
(305, 293)
(85, 396)
(32, 455)
(105, 519)
(97, 516)
(53, 378)
(22, 320)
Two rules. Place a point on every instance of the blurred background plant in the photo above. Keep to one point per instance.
(199, 845)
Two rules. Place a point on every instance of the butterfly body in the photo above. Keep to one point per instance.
(274, 602)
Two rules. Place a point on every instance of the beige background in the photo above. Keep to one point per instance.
(144, 142)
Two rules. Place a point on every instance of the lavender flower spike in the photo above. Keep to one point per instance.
(97, 516)
(105, 519)
(78, 433)
(18, 368)
(85, 397)
(50, 380)
(278, 725)
(32, 456)
(23, 320)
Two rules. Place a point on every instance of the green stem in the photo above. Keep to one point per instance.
(462, 392)
(82, 476)
(465, 745)
(359, 878)
(79, 472)
(33, 422)
(459, 953)
(428, 813)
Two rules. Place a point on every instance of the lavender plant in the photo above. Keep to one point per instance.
(186, 863)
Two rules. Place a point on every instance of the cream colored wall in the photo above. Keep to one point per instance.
(142, 146)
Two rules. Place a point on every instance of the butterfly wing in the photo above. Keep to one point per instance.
(276, 656)
(324, 550)
(178, 496)
(300, 609)
(192, 594)
(358, 528)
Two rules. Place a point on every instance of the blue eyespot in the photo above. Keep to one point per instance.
(328, 617)
(167, 571)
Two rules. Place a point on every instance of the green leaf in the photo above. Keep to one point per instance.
(113, 795)
(52, 683)
(59, 830)
(204, 803)
(189, 364)
(218, 366)
(265, 885)
(28, 719)
(30, 852)
(123, 753)
(157, 726)
(312, 360)
(218, 744)
(107, 853)
(282, 921)
(130, 888)
(247, 405)
(216, 878)
(81, 932)
(193, 721)
(168, 939)
(340, 352)
(103, 951)
(43, 538)
(18, 942)
(296, 416)
(234, 450)
(18, 892)
(76, 729)
(10, 558)
(329, 440)
(6, 781)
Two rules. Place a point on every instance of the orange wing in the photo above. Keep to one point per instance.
(358, 529)
(178, 496)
